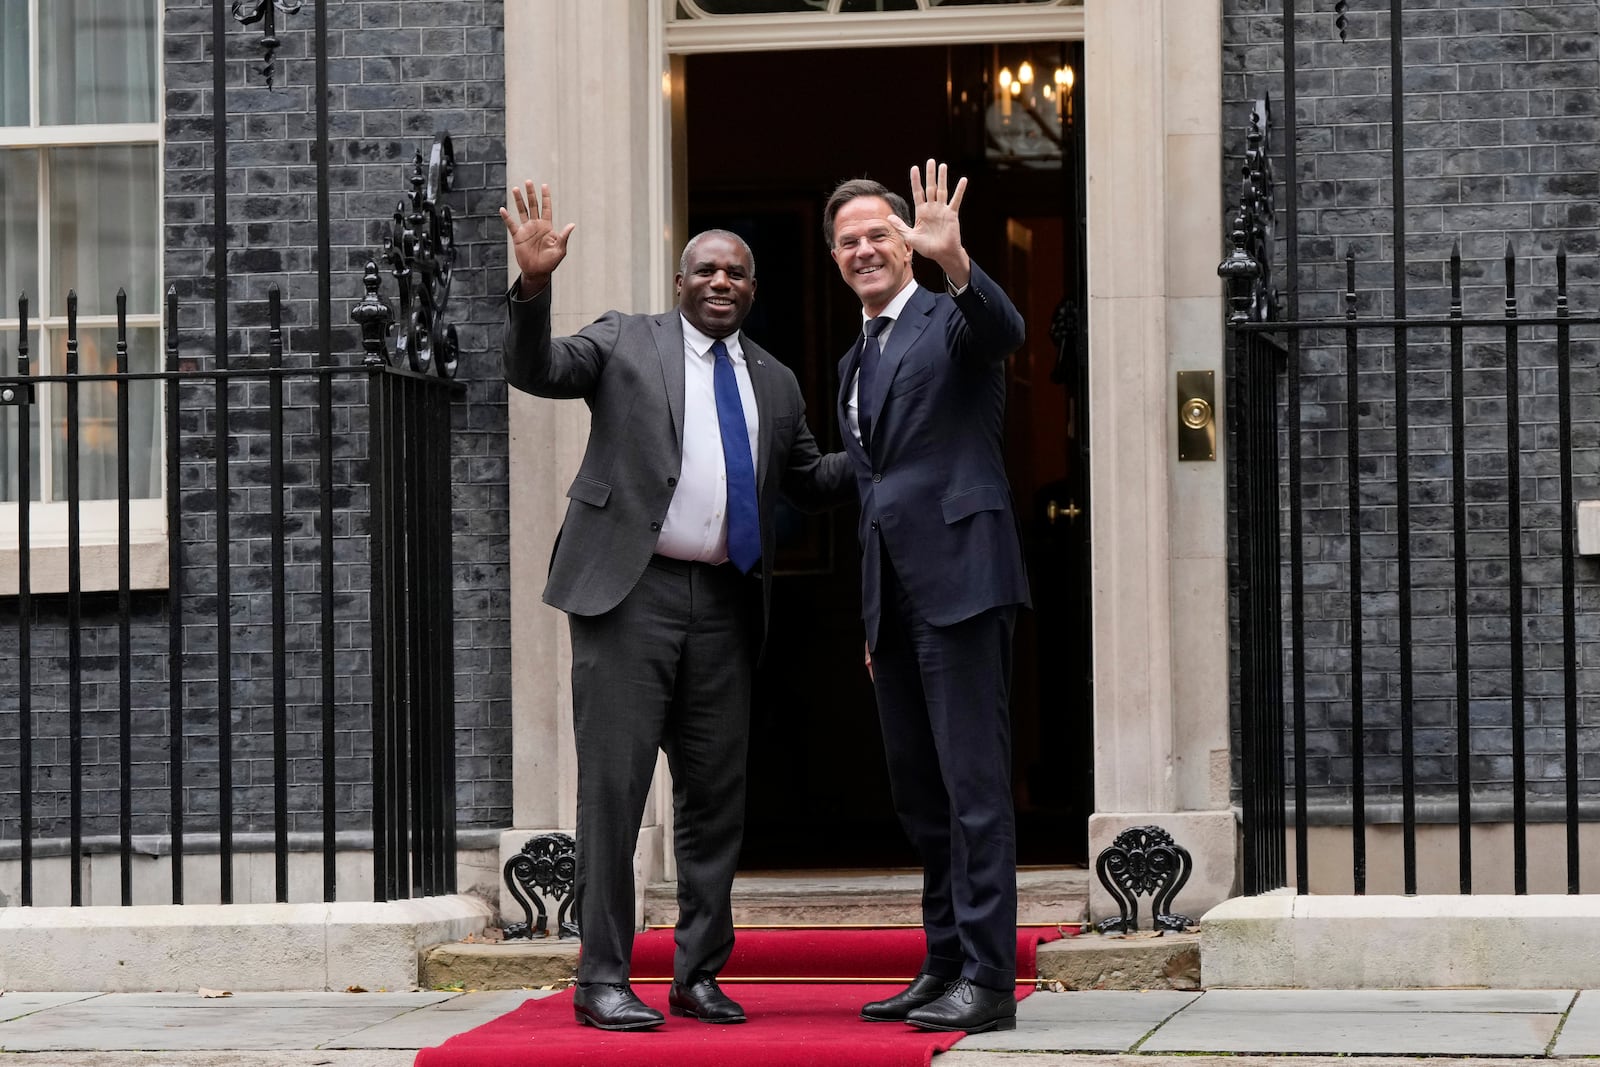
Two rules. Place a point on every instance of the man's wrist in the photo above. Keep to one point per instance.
(531, 285)
(958, 269)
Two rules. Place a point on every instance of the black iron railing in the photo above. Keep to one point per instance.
(1405, 517)
(404, 513)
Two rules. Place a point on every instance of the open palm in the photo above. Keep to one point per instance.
(538, 247)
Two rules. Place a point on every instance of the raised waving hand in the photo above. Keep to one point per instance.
(539, 248)
(937, 234)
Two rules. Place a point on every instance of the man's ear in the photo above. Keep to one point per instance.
(677, 285)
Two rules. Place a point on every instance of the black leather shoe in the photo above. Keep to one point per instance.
(612, 1006)
(968, 1007)
(924, 988)
(701, 998)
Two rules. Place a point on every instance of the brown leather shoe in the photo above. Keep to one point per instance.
(701, 998)
(923, 989)
(612, 1006)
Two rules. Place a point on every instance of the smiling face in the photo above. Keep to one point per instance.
(872, 257)
(717, 285)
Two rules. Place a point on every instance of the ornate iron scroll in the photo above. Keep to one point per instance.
(1144, 860)
(547, 867)
(420, 253)
(247, 11)
(1248, 267)
(1341, 22)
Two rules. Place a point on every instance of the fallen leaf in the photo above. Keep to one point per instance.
(212, 994)
(354, 989)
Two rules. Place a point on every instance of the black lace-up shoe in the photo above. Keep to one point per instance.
(701, 998)
(924, 988)
(612, 1006)
(968, 1007)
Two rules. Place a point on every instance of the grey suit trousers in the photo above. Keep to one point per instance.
(667, 669)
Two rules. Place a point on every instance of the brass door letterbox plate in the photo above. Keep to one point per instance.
(1197, 415)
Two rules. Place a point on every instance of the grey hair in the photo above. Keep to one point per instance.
(849, 190)
(688, 249)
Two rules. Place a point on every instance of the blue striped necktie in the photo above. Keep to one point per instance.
(744, 523)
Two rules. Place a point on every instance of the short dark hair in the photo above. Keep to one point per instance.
(683, 260)
(848, 190)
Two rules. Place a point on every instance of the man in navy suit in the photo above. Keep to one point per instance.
(664, 568)
(922, 403)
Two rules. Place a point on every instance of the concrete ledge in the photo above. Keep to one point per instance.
(1281, 940)
(501, 965)
(1135, 961)
(238, 947)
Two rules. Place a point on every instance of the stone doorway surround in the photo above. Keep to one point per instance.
(593, 106)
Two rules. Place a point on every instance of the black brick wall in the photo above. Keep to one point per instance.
(1502, 143)
(398, 71)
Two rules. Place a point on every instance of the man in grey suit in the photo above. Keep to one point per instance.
(663, 566)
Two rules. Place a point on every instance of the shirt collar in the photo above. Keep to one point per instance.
(700, 343)
(893, 309)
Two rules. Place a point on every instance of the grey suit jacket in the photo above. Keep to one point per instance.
(629, 370)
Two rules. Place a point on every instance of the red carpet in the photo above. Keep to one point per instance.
(792, 1024)
(893, 955)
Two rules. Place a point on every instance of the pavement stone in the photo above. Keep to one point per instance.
(1365, 1022)
(1580, 1034)
(1221, 1028)
(432, 1024)
(1102, 1021)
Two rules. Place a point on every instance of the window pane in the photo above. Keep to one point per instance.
(97, 61)
(14, 63)
(97, 417)
(105, 228)
(878, 5)
(19, 230)
(12, 417)
(759, 7)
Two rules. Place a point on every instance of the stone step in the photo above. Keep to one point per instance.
(870, 898)
(809, 898)
(1089, 961)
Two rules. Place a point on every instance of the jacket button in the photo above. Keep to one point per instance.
(655, 526)
(671, 483)
(874, 524)
(877, 477)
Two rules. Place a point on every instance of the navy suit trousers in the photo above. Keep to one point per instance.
(944, 703)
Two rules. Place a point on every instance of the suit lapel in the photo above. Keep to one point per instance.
(907, 328)
(761, 383)
(669, 346)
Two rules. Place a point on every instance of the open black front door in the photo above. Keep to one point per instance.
(819, 793)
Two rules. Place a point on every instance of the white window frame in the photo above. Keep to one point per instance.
(831, 28)
(97, 525)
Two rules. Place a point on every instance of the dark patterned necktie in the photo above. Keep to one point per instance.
(866, 383)
(744, 523)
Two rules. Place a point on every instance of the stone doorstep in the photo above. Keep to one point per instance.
(1089, 961)
(811, 898)
(1133, 961)
(870, 898)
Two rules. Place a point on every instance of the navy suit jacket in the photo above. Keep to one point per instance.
(932, 484)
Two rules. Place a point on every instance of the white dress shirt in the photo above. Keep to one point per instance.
(696, 526)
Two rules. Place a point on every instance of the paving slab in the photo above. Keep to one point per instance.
(1088, 1021)
(433, 1024)
(16, 1005)
(1366, 1022)
(1580, 1034)
(1538, 1001)
(183, 1021)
